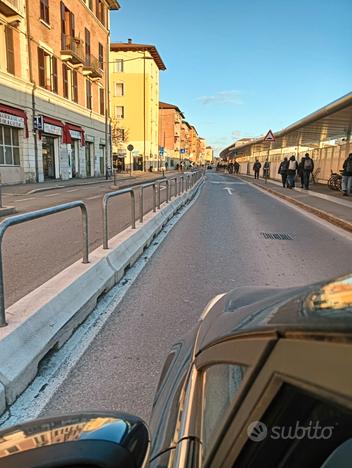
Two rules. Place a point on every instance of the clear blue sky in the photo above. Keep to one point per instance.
(239, 67)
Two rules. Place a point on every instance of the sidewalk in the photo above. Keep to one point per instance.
(26, 189)
(319, 200)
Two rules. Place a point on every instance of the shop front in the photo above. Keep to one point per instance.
(74, 138)
(89, 155)
(51, 139)
(13, 128)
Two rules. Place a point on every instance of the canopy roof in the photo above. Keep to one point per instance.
(328, 123)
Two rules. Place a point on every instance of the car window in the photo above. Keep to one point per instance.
(298, 429)
(220, 385)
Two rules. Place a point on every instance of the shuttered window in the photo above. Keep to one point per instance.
(41, 67)
(10, 52)
(74, 93)
(44, 10)
(87, 45)
(54, 79)
(65, 80)
(102, 101)
(89, 94)
(101, 56)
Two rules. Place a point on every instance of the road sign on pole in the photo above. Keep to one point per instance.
(269, 136)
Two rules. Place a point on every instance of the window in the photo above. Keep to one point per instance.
(120, 112)
(67, 26)
(119, 89)
(221, 383)
(87, 45)
(100, 11)
(102, 101)
(44, 10)
(65, 80)
(118, 66)
(10, 52)
(47, 71)
(54, 79)
(89, 94)
(101, 56)
(74, 86)
(9, 146)
(293, 413)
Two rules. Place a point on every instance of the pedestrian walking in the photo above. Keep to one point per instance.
(308, 167)
(300, 171)
(291, 172)
(347, 176)
(256, 168)
(266, 169)
(237, 167)
(283, 168)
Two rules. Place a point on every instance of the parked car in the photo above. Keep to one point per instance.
(209, 167)
(263, 379)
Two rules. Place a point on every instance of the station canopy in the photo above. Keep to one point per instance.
(328, 123)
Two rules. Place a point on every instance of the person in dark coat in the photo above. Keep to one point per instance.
(256, 168)
(237, 167)
(347, 176)
(308, 167)
(283, 168)
(300, 170)
(291, 172)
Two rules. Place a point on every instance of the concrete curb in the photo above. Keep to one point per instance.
(7, 210)
(320, 213)
(44, 319)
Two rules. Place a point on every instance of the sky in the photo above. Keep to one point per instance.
(237, 68)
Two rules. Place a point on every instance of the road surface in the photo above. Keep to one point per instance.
(217, 245)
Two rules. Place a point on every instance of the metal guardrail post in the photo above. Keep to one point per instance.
(133, 210)
(159, 183)
(22, 218)
(141, 204)
(154, 198)
(0, 192)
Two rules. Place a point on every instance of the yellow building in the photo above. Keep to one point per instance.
(134, 101)
(209, 155)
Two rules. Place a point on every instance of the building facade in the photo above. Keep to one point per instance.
(170, 134)
(209, 155)
(54, 113)
(134, 97)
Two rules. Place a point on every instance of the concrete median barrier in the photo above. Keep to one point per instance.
(44, 319)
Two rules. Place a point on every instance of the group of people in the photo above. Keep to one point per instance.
(233, 167)
(289, 168)
(266, 168)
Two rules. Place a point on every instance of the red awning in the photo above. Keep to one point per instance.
(17, 113)
(67, 136)
(51, 121)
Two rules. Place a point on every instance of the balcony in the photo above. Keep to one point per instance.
(91, 67)
(11, 8)
(72, 50)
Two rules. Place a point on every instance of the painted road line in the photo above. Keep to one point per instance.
(229, 191)
(25, 199)
(52, 194)
(72, 190)
(93, 198)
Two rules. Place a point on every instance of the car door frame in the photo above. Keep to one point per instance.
(250, 350)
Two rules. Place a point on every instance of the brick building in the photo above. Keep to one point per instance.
(54, 82)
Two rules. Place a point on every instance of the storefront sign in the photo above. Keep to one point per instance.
(11, 120)
(52, 129)
(89, 138)
(75, 134)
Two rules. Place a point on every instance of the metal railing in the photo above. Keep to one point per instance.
(22, 218)
(182, 183)
(106, 199)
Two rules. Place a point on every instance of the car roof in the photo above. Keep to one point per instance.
(324, 308)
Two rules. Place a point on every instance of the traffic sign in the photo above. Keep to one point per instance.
(269, 136)
(182, 150)
(161, 150)
(130, 147)
(38, 122)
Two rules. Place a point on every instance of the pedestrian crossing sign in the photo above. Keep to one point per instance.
(269, 136)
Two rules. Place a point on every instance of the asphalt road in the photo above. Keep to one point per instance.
(35, 251)
(215, 247)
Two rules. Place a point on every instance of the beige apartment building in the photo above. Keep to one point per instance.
(54, 81)
(170, 125)
(134, 98)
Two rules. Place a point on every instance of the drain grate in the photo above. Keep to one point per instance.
(276, 236)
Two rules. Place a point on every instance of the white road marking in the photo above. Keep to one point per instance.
(162, 188)
(229, 183)
(25, 199)
(93, 198)
(72, 190)
(52, 194)
(228, 190)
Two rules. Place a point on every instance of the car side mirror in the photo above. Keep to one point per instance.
(96, 440)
